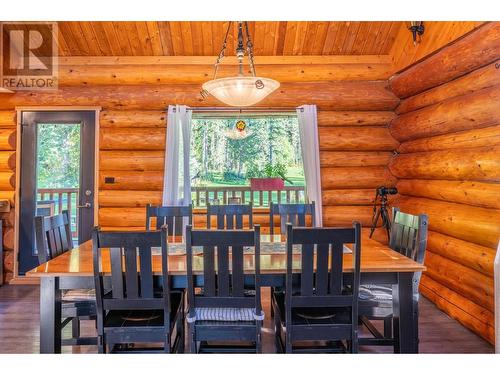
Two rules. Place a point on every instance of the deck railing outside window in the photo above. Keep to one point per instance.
(54, 201)
(243, 195)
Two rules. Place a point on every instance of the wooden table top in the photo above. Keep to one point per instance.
(375, 257)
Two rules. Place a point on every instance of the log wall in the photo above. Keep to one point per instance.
(449, 168)
(7, 186)
(355, 141)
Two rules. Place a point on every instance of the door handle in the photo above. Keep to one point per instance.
(86, 205)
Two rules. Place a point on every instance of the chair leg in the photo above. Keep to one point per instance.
(271, 299)
(395, 330)
(101, 345)
(354, 343)
(388, 327)
(180, 332)
(75, 328)
(258, 339)
(192, 341)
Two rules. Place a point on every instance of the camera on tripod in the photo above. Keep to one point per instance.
(381, 211)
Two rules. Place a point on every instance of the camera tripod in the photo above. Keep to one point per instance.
(381, 212)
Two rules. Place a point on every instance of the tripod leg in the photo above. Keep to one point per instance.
(386, 223)
(374, 223)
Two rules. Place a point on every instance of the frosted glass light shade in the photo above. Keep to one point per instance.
(240, 91)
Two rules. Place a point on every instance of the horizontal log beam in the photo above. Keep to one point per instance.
(345, 215)
(132, 160)
(356, 139)
(465, 192)
(468, 254)
(135, 119)
(7, 118)
(10, 195)
(131, 180)
(489, 136)
(335, 95)
(228, 60)
(478, 109)
(155, 74)
(476, 80)
(475, 317)
(132, 139)
(359, 118)
(129, 198)
(349, 197)
(7, 181)
(356, 178)
(469, 283)
(7, 139)
(354, 158)
(7, 161)
(480, 164)
(475, 50)
(469, 223)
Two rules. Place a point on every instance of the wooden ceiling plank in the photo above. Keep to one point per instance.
(259, 38)
(319, 41)
(391, 37)
(176, 37)
(270, 38)
(133, 37)
(310, 35)
(207, 38)
(341, 38)
(187, 38)
(122, 39)
(280, 39)
(144, 38)
(166, 38)
(110, 33)
(291, 30)
(91, 39)
(154, 37)
(66, 30)
(352, 32)
(362, 36)
(102, 40)
(63, 47)
(197, 37)
(300, 36)
(370, 43)
(331, 34)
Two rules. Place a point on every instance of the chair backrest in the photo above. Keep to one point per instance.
(294, 213)
(409, 234)
(172, 216)
(230, 216)
(223, 267)
(52, 235)
(321, 272)
(130, 259)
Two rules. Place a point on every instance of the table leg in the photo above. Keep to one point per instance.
(50, 315)
(406, 313)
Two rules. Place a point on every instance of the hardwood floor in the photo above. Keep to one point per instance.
(19, 327)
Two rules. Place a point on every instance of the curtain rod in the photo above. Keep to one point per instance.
(247, 109)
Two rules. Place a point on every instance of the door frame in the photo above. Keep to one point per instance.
(20, 279)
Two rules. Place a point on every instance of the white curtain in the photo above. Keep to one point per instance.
(309, 142)
(176, 180)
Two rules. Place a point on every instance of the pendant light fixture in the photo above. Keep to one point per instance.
(240, 90)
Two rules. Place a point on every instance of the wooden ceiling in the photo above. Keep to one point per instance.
(276, 38)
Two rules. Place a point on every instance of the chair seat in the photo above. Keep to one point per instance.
(143, 318)
(74, 295)
(380, 295)
(312, 315)
(224, 314)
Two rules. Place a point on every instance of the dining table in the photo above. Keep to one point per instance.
(379, 265)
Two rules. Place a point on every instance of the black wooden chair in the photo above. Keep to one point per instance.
(53, 238)
(408, 237)
(224, 309)
(294, 213)
(172, 216)
(132, 310)
(230, 216)
(319, 307)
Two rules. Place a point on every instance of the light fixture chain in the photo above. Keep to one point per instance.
(250, 49)
(221, 53)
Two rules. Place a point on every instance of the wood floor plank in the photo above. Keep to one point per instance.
(19, 327)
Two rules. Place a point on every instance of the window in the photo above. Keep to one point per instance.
(228, 150)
